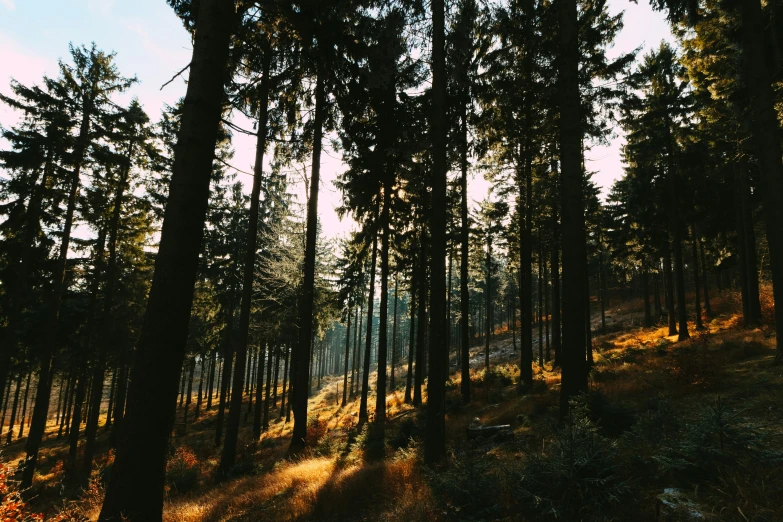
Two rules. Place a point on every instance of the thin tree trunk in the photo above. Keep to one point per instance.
(14, 409)
(392, 383)
(411, 333)
(421, 318)
(363, 416)
(24, 405)
(265, 425)
(286, 380)
(301, 384)
(707, 308)
(259, 392)
(669, 287)
(347, 351)
(228, 457)
(189, 398)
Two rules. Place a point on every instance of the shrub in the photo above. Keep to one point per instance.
(12, 507)
(182, 470)
(577, 477)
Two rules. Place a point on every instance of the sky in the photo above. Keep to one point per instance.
(151, 43)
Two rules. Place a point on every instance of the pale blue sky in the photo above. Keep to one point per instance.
(151, 43)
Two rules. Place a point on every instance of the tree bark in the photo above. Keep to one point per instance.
(574, 374)
(302, 382)
(363, 416)
(135, 486)
(765, 129)
(228, 457)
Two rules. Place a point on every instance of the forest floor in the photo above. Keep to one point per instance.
(670, 430)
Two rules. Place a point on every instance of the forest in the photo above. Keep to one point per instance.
(183, 340)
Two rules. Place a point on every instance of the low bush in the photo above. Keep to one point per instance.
(182, 470)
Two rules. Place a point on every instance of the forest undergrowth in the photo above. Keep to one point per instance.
(669, 431)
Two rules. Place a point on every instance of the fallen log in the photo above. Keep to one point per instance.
(486, 431)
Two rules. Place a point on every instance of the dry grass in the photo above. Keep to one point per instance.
(336, 480)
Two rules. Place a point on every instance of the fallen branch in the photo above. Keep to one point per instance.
(486, 431)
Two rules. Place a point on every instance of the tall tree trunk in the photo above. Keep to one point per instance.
(669, 287)
(672, 178)
(24, 405)
(694, 252)
(213, 364)
(356, 348)
(488, 319)
(707, 308)
(765, 128)
(435, 435)
(574, 375)
(395, 355)
(200, 387)
(540, 292)
(268, 387)
(228, 457)
(421, 319)
(347, 351)
(76, 421)
(135, 486)
(383, 323)
(302, 382)
(646, 291)
(19, 290)
(14, 409)
(368, 340)
(188, 399)
(259, 392)
(228, 361)
(555, 262)
(285, 380)
(464, 292)
(104, 340)
(411, 332)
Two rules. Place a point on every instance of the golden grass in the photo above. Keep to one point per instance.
(632, 364)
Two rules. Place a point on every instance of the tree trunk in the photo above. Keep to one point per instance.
(41, 407)
(14, 409)
(699, 325)
(765, 128)
(347, 350)
(268, 387)
(188, 399)
(435, 435)
(285, 380)
(555, 262)
(259, 393)
(574, 374)
(669, 280)
(302, 384)
(411, 332)
(24, 405)
(368, 340)
(395, 355)
(707, 308)
(228, 457)
(421, 319)
(135, 487)
(646, 291)
(488, 319)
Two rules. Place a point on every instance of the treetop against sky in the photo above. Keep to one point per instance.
(151, 43)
